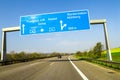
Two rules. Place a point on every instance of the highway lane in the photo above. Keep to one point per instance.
(56, 69)
(95, 72)
(46, 69)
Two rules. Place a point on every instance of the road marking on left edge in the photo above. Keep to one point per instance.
(52, 63)
(78, 70)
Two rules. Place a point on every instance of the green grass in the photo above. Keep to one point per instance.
(116, 56)
(115, 49)
(115, 52)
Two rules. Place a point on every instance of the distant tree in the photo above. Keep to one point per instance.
(21, 55)
(12, 52)
(55, 54)
(97, 50)
(90, 54)
(13, 55)
(8, 57)
(79, 53)
(85, 53)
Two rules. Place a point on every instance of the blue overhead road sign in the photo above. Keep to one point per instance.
(54, 22)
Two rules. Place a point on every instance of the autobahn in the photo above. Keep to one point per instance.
(57, 69)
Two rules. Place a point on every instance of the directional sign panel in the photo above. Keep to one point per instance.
(54, 22)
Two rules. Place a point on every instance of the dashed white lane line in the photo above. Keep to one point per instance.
(52, 63)
(32, 64)
(78, 70)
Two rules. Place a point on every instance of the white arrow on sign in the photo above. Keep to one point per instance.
(62, 25)
(23, 27)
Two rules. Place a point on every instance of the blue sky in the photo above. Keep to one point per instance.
(11, 10)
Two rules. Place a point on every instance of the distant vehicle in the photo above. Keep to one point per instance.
(59, 56)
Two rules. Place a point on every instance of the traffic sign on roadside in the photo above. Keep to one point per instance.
(54, 22)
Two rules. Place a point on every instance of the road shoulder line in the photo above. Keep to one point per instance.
(78, 70)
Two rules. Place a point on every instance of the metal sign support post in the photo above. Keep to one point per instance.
(107, 42)
(3, 51)
(4, 42)
(103, 21)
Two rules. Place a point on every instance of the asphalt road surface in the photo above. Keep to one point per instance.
(57, 69)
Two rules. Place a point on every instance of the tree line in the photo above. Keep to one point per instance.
(23, 56)
(94, 53)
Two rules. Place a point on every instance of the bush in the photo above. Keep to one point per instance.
(93, 53)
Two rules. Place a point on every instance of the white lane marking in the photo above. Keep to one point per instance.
(78, 70)
(52, 63)
(32, 64)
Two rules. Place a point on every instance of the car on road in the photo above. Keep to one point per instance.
(59, 56)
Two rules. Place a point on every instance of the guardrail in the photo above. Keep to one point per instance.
(13, 61)
(115, 65)
(21, 60)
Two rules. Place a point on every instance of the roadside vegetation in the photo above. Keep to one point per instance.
(115, 52)
(98, 53)
(29, 56)
(14, 57)
(94, 53)
(99, 56)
